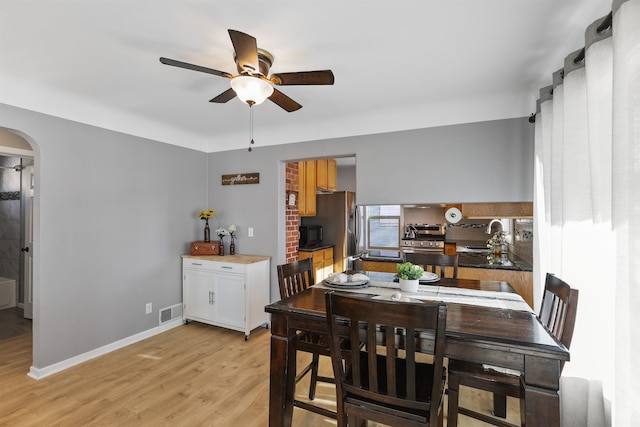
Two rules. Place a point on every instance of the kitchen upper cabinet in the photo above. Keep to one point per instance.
(326, 174)
(332, 175)
(322, 262)
(314, 175)
(307, 188)
(497, 210)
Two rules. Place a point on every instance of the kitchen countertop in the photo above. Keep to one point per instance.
(315, 248)
(237, 259)
(384, 256)
(484, 260)
(465, 259)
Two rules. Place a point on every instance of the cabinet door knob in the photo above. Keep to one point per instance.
(25, 249)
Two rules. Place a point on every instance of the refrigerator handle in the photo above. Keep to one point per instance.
(357, 229)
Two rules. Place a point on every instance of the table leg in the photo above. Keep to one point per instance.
(282, 372)
(541, 403)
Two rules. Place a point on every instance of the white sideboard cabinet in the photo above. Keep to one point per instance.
(227, 291)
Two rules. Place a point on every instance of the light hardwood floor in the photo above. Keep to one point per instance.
(192, 375)
(13, 323)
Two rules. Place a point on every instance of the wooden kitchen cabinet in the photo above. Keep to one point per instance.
(385, 267)
(229, 291)
(315, 175)
(326, 174)
(332, 175)
(322, 262)
(307, 188)
(450, 248)
(521, 281)
(497, 210)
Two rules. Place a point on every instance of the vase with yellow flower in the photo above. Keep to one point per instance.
(206, 216)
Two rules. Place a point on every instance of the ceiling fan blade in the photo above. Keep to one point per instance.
(284, 101)
(225, 96)
(323, 77)
(193, 67)
(246, 48)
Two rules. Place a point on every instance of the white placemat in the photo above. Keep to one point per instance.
(492, 299)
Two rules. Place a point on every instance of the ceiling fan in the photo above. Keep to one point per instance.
(253, 84)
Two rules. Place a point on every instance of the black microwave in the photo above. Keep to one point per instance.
(310, 235)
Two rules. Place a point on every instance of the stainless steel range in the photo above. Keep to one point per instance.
(423, 238)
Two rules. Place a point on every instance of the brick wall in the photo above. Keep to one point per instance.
(292, 214)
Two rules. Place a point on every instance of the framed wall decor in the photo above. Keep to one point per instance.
(241, 178)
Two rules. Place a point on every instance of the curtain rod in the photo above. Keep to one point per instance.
(599, 30)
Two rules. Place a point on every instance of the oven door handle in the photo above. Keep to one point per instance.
(422, 250)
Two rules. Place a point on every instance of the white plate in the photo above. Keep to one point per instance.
(427, 277)
(347, 285)
(339, 279)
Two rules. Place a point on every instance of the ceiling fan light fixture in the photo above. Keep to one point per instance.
(251, 90)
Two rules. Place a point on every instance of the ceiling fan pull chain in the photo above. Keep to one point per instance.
(251, 126)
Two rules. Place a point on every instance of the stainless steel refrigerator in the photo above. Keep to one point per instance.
(337, 213)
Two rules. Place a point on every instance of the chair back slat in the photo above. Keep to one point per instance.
(295, 277)
(354, 338)
(559, 309)
(388, 372)
(436, 263)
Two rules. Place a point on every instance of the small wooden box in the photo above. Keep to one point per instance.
(205, 248)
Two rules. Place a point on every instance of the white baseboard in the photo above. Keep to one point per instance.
(39, 373)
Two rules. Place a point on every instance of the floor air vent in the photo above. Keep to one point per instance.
(170, 313)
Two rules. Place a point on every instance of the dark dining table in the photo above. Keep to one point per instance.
(512, 339)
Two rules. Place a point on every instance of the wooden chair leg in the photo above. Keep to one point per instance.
(452, 410)
(500, 405)
(314, 376)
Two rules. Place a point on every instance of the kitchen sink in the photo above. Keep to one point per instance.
(473, 249)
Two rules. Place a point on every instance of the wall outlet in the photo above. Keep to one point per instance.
(250, 232)
(148, 308)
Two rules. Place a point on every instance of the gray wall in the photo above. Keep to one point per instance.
(476, 162)
(113, 214)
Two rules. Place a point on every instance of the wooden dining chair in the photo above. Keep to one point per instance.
(387, 383)
(434, 262)
(293, 278)
(557, 313)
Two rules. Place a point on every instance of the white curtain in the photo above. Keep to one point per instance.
(587, 219)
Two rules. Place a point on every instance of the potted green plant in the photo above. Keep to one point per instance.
(409, 276)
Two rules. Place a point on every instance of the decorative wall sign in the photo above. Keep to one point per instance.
(241, 178)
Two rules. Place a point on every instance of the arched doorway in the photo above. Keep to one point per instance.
(16, 234)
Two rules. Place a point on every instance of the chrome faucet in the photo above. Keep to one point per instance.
(493, 221)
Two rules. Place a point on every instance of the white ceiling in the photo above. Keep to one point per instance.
(397, 64)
